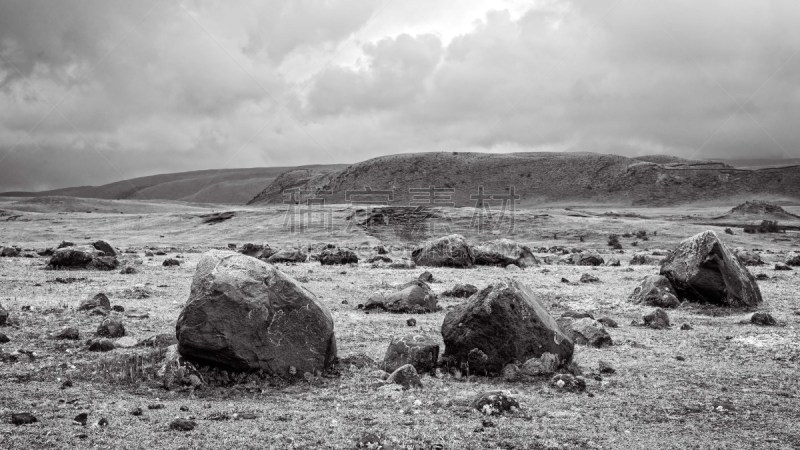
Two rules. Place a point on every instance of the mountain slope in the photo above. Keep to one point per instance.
(235, 186)
(540, 177)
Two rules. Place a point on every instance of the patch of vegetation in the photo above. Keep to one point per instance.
(766, 226)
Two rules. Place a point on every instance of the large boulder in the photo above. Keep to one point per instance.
(655, 290)
(82, 257)
(502, 324)
(413, 297)
(419, 350)
(703, 269)
(446, 251)
(503, 252)
(244, 314)
(337, 256)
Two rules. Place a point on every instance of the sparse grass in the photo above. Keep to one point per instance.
(653, 401)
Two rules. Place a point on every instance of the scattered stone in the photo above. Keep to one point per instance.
(148, 254)
(3, 316)
(288, 256)
(23, 418)
(412, 322)
(111, 328)
(379, 259)
(655, 290)
(748, 258)
(680, 358)
(564, 280)
(100, 345)
(657, 320)
(170, 262)
(613, 262)
(566, 382)
(605, 367)
(81, 419)
(762, 277)
(608, 322)
(546, 364)
(728, 231)
(416, 349)
(413, 297)
(426, 277)
(587, 259)
(762, 318)
(370, 441)
(505, 322)
(125, 342)
(99, 300)
(128, 270)
(446, 251)
(338, 256)
(782, 266)
(154, 406)
(405, 376)
(503, 252)
(105, 247)
(586, 331)
(81, 257)
(182, 425)
(136, 411)
(403, 264)
(703, 269)
(589, 278)
(643, 259)
(70, 333)
(243, 313)
(461, 291)
(118, 308)
(793, 259)
(8, 252)
(4, 339)
(494, 403)
(686, 327)
(66, 384)
(572, 314)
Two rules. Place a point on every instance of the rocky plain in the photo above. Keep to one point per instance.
(158, 324)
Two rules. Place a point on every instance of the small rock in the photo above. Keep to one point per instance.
(66, 384)
(494, 403)
(111, 328)
(589, 278)
(182, 425)
(680, 358)
(461, 291)
(762, 318)
(99, 300)
(411, 322)
(70, 333)
(426, 277)
(782, 266)
(128, 270)
(118, 308)
(169, 262)
(370, 440)
(405, 376)
(23, 419)
(686, 327)
(4, 338)
(657, 320)
(543, 365)
(762, 277)
(608, 321)
(568, 383)
(513, 268)
(605, 367)
(101, 345)
(564, 280)
(80, 419)
(136, 412)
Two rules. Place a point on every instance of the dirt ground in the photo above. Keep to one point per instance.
(721, 384)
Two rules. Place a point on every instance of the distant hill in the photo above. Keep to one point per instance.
(234, 186)
(537, 178)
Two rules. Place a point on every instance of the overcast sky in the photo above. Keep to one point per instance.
(98, 91)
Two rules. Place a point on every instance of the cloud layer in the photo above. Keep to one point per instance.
(94, 91)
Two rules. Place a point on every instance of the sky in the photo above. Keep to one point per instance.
(95, 91)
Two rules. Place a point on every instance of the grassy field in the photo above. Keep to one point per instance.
(735, 385)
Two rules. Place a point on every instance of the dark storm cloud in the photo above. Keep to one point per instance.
(168, 86)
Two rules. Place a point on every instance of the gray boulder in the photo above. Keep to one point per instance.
(655, 290)
(702, 269)
(288, 256)
(244, 314)
(501, 324)
(419, 350)
(586, 331)
(503, 252)
(413, 297)
(99, 300)
(447, 251)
